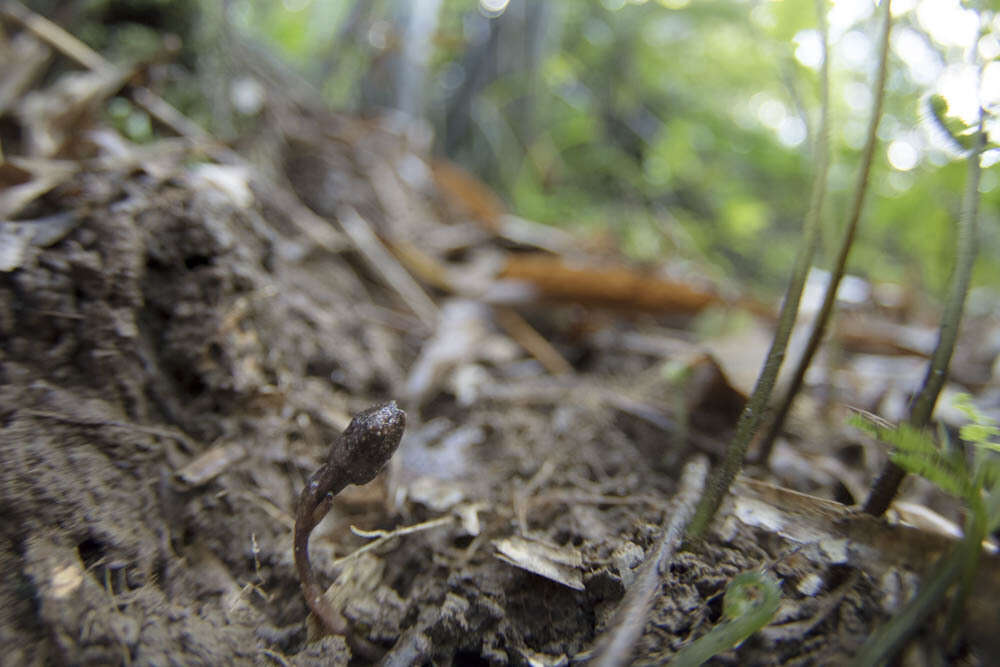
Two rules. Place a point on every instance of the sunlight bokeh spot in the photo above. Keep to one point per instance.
(902, 155)
(791, 131)
(958, 84)
(922, 61)
(771, 112)
(855, 51)
(991, 84)
(989, 47)
(493, 8)
(947, 22)
(809, 48)
(846, 13)
(857, 96)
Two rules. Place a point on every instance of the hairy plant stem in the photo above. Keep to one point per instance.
(847, 240)
(790, 306)
(724, 474)
(889, 479)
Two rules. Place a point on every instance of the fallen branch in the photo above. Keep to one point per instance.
(615, 646)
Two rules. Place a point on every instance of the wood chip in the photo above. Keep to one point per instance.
(212, 463)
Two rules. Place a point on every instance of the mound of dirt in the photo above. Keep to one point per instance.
(164, 325)
(172, 370)
(181, 337)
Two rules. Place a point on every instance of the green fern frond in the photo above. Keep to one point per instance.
(982, 431)
(903, 437)
(916, 452)
(936, 469)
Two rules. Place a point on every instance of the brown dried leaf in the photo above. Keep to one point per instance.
(617, 286)
(559, 564)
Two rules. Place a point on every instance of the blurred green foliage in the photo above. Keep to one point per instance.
(683, 128)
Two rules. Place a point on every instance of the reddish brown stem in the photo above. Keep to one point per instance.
(355, 457)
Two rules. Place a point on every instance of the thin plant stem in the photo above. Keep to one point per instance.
(889, 479)
(724, 474)
(847, 240)
(790, 306)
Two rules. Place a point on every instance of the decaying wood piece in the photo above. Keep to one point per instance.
(613, 287)
(532, 341)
